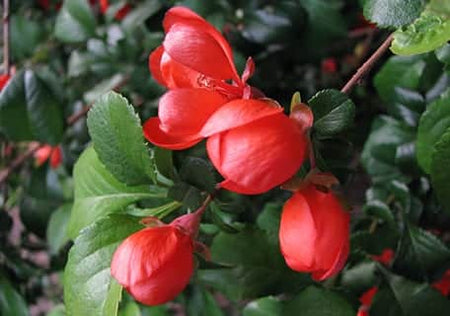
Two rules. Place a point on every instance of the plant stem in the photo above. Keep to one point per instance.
(6, 37)
(365, 68)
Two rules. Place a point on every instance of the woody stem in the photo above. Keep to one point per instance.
(367, 66)
(6, 37)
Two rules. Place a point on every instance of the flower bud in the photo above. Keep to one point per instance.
(314, 233)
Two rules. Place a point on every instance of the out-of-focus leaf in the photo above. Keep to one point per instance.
(380, 210)
(416, 299)
(11, 302)
(98, 193)
(103, 87)
(30, 111)
(188, 195)
(266, 306)
(118, 140)
(433, 123)
(75, 22)
(378, 156)
(333, 112)
(392, 13)
(89, 288)
(25, 35)
(430, 31)
(138, 15)
(420, 253)
(315, 301)
(443, 54)
(57, 228)
(359, 277)
(440, 173)
(202, 303)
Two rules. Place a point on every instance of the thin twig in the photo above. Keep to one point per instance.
(365, 68)
(4, 174)
(6, 37)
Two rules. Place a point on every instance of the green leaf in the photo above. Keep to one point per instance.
(399, 72)
(333, 112)
(164, 162)
(98, 193)
(139, 15)
(11, 302)
(30, 111)
(392, 13)
(26, 35)
(417, 299)
(443, 54)
(360, 276)
(420, 253)
(266, 306)
(315, 301)
(380, 210)
(198, 172)
(432, 125)
(379, 153)
(103, 87)
(202, 303)
(75, 22)
(57, 228)
(116, 132)
(440, 174)
(430, 31)
(89, 288)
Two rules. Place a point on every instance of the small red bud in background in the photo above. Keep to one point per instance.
(366, 301)
(329, 65)
(385, 257)
(3, 81)
(443, 285)
(47, 152)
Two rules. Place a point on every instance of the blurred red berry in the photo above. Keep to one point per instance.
(314, 233)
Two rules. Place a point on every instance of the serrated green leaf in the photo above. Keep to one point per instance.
(432, 125)
(392, 13)
(30, 111)
(118, 140)
(416, 299)
(57, 228)
(315, 301)
(98, 193)
(420, 253)
(11, 302)
(89, 288)
(439, 171)
(430, 31)
(75, 22)
(333, 112)
(266, 306)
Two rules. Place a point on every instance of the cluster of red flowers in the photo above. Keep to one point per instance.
(250, 141)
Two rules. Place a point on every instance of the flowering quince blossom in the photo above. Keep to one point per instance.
(366, 301)
(314, 233)
(250, 141)
(155, 264)
(47, 152)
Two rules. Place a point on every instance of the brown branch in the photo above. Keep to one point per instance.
(5, 173)
(367, 66)
(6, 37)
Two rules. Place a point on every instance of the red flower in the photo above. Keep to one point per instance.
(366, 301)
(3, 81)
(251, 142)
(386, 256)
(314, 233)
(329, 65)
(155, 264)
(120, 14)
(443, 285)
(47, 152)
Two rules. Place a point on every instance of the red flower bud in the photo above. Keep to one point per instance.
(386, 256)
(47, 152)
(443, 285)
(314, 233)
(366, 301)
(3, 81)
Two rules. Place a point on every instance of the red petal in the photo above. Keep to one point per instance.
(156, 136)
(258, 156)
(3, 81)
(297, 234)
(237, 113)
(367, 297)
(198, 49)
(56, 157)
(154, 64)
(42, 154)
(178, 76)
(185, 111)
(154, 264)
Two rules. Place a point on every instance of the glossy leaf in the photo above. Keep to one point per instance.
(315, 301)
(333, 112)
(89, 288)
(430, 31)
(75, 22)
(440, 174)
(11, 302)
(266, 306)
(25, 36)
(433, 123)
(98, 193)
(57, 228)
(198, 173)
(392, 13)
(116, 132)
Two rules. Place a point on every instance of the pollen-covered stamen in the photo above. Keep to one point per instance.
(230, 90)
